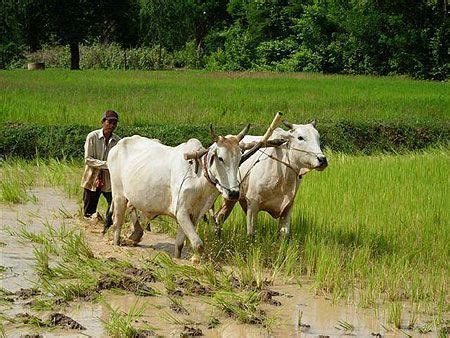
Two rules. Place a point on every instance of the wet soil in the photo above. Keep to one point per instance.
(299, 312)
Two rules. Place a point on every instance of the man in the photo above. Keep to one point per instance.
(96, 179)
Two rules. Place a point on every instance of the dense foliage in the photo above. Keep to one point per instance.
(30, 141)
(330, 36)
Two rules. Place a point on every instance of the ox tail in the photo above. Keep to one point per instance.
(109, 218)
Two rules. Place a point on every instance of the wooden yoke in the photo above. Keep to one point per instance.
(275, 123)
(195, 155)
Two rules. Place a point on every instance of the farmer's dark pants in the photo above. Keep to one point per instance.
(90, 202)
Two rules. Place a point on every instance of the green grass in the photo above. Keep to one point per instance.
(18, 176)
(369, 229)
(122, 324)
(196, 97)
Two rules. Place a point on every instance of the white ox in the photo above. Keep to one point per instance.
(271, 176)
(157, 180)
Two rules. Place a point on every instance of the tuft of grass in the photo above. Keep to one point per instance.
(121, 324)
(394, 315)
(213, 322)
(15, 182)
(242, 306)
(345, 326)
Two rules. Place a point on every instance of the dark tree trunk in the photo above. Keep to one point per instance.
(74, 56)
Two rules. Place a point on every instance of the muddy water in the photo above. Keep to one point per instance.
(318, 315)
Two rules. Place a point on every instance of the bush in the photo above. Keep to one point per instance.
(29, 141)
(187, 57)
(103, 56)
(237, 54)
(52, 56)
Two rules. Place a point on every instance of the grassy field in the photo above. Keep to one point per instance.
(185, 97)
(370, 229)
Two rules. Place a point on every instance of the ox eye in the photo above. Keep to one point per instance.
(220, 159)
(300, 138)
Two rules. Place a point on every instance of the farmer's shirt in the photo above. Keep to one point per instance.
(95, 155)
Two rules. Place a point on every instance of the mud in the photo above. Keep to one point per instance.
(298, 311)
(193, 287)
(267, 297)
(59, 319)
(189, 331)
(177, 308)
(144, 276)
(138, 287)
(27, 293)
(145, 333)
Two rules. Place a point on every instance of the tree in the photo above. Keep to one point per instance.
(77, 21)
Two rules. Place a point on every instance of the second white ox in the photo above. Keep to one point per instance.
(157, 180)
(271, 176)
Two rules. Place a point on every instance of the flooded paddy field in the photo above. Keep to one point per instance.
(358, 263)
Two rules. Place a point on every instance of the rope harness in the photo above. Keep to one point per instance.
(297, 172)
(206, 160)
(206, 169)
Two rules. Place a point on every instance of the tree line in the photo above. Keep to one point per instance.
(330, 36)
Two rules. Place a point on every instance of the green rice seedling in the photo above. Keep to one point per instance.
(242, 306)
(405, 333)
(65, 213)
(212, 322)
(345, 326)
(425, 328)
(2, 331)
(413, 317)
(76, 246)
(69, 290)
(395, 314)
(250, 270)
(120, 323)
(17, 180)
(171, 319)
(287, 261)
(42, 259)
(13, 192)
(43, 304)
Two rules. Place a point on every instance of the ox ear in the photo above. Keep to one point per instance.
(288, 125)
(243, 132)
(213, 133)
(313, 123)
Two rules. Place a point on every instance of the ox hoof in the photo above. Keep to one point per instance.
(284, 231)
(136, 237)
(196, 258)
(128, 242)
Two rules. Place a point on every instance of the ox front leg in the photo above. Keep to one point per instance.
(285, 221)
(252, 213)
(120, 206)
(179, 242)
(184, 220)
(137, 234)
(223, 213)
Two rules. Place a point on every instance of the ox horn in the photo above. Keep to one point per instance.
(313, 123)
(275, 123)
(213, 133)
(288, 125)
(195, 155)
(244, 131)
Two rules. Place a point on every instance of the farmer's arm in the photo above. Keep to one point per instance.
(89, 158)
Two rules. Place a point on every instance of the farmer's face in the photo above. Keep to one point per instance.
(109, 126)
